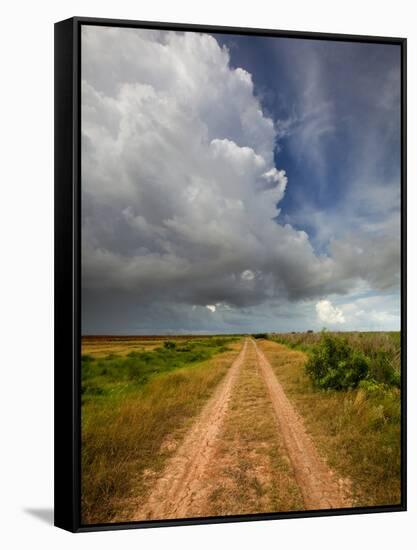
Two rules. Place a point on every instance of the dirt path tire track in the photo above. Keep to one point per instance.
(317, 483)
(178, 486)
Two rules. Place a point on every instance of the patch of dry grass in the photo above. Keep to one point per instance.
(358, 433)
(99, 347)
(123, 438)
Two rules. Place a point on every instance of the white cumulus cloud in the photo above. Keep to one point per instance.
(328, 313)
(180, 187)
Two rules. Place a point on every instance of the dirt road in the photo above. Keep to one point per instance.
(248, 451)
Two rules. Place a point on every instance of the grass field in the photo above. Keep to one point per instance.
(358, 430)
(131, 401)
(140, 396)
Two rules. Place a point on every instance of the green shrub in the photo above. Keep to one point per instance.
(370, 386)
(261, 335)
(334, 364)
(170, 345)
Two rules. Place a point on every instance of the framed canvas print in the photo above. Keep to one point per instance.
(230, 274)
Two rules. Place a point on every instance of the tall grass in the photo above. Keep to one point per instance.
(383, 350)
(130, 406)
(357, 431)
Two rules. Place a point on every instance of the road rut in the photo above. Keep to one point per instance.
(317, 483)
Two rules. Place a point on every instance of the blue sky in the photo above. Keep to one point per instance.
(238, 183)
(334, 92)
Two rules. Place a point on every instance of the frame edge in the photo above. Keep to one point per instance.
(66, 501)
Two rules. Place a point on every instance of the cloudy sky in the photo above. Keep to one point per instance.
(238, 184)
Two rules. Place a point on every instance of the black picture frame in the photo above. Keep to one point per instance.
(68, 274)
